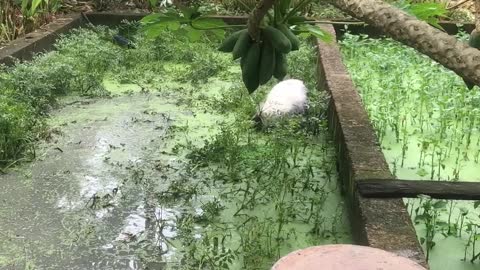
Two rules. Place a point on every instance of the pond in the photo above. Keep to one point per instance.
(427, 123)
(146, 158)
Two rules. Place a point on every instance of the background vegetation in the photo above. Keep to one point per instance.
(18, 17)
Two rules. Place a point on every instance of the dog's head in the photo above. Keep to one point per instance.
(257, 118)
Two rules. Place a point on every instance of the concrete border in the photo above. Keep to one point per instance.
(40, 40)
(379, 223)
(115, 18)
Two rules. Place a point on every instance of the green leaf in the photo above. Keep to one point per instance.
(155, 30)
(173, 26)
(440, 204)
(422, 240)
(193, 34)
(317, 32)
(159, 18)
(153, 25)
(422, 172)
(153, 3)
(34, 6)
(208, 23)
(219, 33)
(429, 12)
(204, 22)
(476, 204)
(25, 7)
(190, 12)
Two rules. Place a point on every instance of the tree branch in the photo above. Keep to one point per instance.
(256, 18)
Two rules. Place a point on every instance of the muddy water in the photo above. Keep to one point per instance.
(88, 200)
(48, 214)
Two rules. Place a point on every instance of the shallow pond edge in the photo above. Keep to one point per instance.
(40, 40)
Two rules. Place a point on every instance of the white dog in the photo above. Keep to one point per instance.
(286, 98)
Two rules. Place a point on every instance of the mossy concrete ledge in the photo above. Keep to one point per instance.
(40, 40)
(379, 223)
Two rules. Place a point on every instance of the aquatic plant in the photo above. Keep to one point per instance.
(425, 118)
(212, 192)
(419, 107)
(230, 177)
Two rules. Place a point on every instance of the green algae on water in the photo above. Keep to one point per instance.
(158, 167)
(427, 123)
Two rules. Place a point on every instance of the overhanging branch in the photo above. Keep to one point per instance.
(477, 15)
(441, 47)
(256, 18)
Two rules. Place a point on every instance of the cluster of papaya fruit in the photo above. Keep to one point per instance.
(264, 58)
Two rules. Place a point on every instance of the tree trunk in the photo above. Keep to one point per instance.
(256, 17)
(477, 15)
(441, 47)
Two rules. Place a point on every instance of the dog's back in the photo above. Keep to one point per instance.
(286, 98)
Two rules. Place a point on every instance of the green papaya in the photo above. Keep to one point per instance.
(250, 69)
(229, 43)
(242, 62)
(242, 45)
(281, 66)
(267, 62)
(278, 39)
(290, 35)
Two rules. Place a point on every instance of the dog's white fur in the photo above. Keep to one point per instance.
(286, 98)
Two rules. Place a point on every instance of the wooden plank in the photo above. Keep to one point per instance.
(384, 188)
